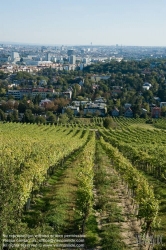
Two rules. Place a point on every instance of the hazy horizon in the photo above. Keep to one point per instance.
(104, 23)
(70, 45)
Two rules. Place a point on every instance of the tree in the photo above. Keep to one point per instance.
(37, 99)
(9, 117)
(163, 111)
(2, 91)
(2, 115)
(63, 118)
(40, 119)
(22, 107)
(108, 122)
(51, 117)
(28, 116)
(69, 112)
(15, 115)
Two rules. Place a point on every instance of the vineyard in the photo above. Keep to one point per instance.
(106, 185)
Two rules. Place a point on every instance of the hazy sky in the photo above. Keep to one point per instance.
(102, 22)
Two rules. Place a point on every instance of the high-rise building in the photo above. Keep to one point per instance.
(48, 57)
(82, 51)
(15, 57)
(70, 52)
(72, 59)
(85, 60)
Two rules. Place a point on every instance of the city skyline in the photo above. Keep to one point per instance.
(109, 22)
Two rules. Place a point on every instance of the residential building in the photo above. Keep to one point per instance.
(156, 112)
(5, 59)
(74, 108)
(15, 57)
(156, 98)
(115, 112)
(146, 86)
(19, 94)
(96, 78)
(100, 100)
(70, 52)
(116, 92)
(48, 57)
(72, 59)
(14, 93)
(86, 60)
(42, 83)
(44, 92)
(127, 105)
(67, 94)
(44, 102)
(99, 109)
(144, 111)
(128, 113)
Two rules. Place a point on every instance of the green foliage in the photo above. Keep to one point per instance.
(109, 123)
(33, 151)
(111, 239)
(28, 116)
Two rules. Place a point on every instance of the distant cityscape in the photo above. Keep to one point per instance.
(83, 81)
(31, 58)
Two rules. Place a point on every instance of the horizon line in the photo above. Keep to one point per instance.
(90, 45)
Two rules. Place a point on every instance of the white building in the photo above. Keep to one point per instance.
(38, 63)
(96, 108)
(147, 86)
(15, 57)
(44, 102)
(96, 78)
(74, 108)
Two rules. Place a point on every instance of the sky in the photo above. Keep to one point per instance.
(82, 22)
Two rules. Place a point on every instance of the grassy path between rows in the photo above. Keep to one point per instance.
(117, 222)
(53, 209)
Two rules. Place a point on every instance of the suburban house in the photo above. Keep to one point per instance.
(156, 98)
(95, 86)
(19, 94)
(128, 113)
(42, 83)
(96, 78)
(74, 108)
(96, 108)
(144, 111)
(115, 112)
(67, 94)
(44, 102)
(42, 91)
(146, 86)
(127, 105)
(116, 92)
(78, 103)
(156, 112)
(100, 100)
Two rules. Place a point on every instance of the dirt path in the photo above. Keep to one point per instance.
(120, 200)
